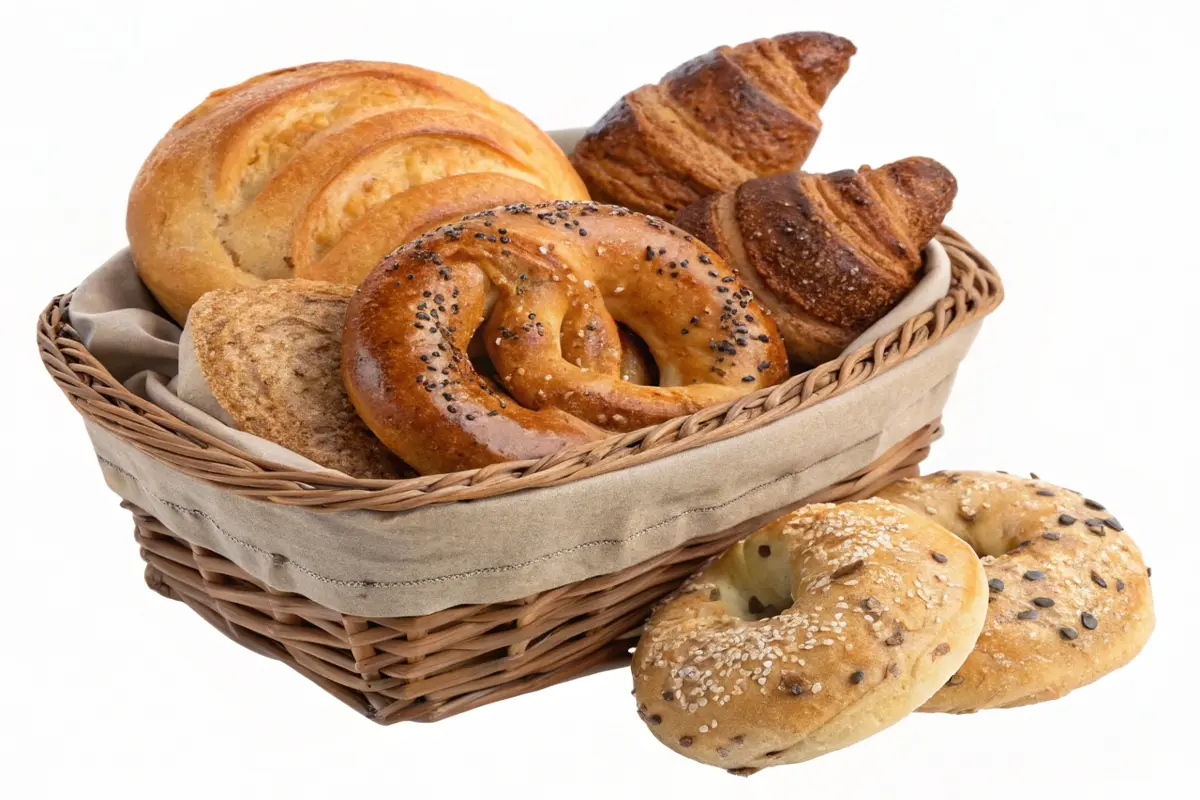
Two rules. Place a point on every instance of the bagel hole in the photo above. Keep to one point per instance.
(988, 542)
(757, 610)
(637, 362)
(764, 580)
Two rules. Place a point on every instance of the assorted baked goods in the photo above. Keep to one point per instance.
(262, 180)
(384, 270)
(954, 592)
(270, 355)
(828, 254)
(1070, 595)
(584, 320)
(818, 630)
(714, 122)
(546, 285)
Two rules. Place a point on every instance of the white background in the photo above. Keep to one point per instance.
(1071, 128)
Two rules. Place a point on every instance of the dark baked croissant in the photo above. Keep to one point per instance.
(713, 122)
(828, 254)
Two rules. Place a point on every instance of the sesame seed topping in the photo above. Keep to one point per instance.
(846, 569)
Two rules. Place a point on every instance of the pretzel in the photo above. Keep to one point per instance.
(546, 286)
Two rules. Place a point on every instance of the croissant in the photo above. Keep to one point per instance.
(345, 159)
(827, 254)
(713, 122)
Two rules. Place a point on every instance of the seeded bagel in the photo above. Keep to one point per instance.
(818, 630)
(1069, 594)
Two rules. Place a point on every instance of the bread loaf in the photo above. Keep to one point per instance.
(263, 179)
(271, 357)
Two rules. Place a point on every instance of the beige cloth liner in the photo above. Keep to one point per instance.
(379, 564)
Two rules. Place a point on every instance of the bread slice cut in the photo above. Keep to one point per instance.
(271, 356)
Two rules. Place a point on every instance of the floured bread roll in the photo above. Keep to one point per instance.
(319, 171)
(271, 357)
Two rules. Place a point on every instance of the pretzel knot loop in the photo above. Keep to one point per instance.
(541, 291)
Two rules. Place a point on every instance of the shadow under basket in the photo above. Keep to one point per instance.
(435, 665)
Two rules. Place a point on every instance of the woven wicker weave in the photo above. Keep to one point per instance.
(429, 667)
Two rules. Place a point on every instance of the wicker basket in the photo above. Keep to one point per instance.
(432, 666)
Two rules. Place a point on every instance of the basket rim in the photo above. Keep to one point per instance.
(975, 291)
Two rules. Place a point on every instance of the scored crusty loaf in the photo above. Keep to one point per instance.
(828, 254)
(271, 357)
(404, 217)
(713, 122)
(263, 179)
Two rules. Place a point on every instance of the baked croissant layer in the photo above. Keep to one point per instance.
(829, 254)
(718, 120)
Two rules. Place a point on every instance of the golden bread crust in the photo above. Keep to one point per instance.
(293, 160)
(271, 356)
(1070, 598)
(713, 122)
(828, 254)
(818, 630)
(548, 285)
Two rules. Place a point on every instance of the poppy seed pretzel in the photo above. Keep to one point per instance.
(1069, 593)
(820, 629)
(547, 286)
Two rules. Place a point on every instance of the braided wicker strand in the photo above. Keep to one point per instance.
(430, 667)
(975, 292)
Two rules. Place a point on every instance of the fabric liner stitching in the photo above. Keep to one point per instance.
(469, 573)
